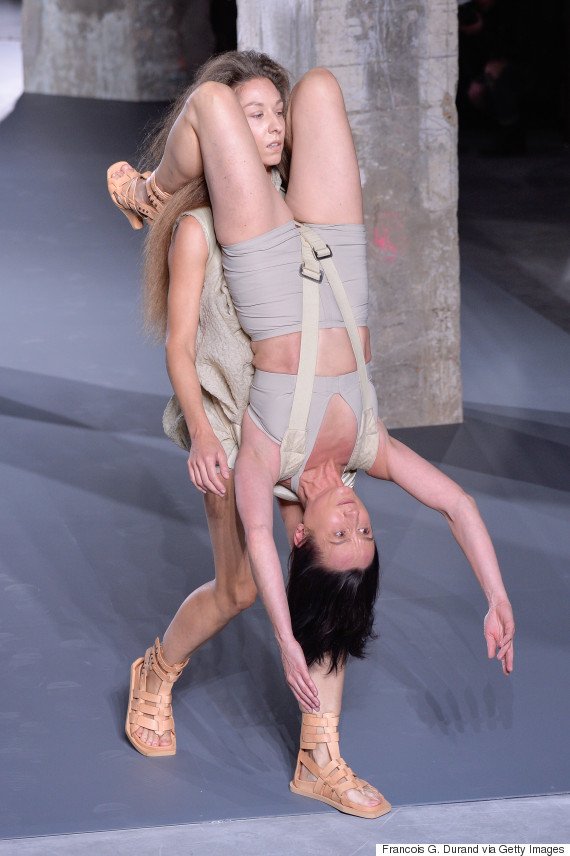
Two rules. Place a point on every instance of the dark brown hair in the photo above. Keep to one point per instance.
(332, 612)
(232, 68)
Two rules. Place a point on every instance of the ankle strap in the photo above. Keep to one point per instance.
(156, 195)
(319, 728)
(165, 671)
(321, 719)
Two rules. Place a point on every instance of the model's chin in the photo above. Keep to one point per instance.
(272, 158)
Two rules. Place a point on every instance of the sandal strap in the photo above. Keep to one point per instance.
(153, 722)
(321, 728)
(154, 661)
(123, 191)
(154, 710)
(157, 197)
(332, 780)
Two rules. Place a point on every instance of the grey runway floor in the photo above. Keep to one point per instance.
(102, 535)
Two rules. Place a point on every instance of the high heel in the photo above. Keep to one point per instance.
(122, 185)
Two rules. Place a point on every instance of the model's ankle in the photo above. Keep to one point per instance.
(140, 192)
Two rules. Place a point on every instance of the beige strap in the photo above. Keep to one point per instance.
(317, 257)
(312, 277)
(339, 291)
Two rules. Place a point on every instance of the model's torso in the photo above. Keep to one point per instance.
(335, 355)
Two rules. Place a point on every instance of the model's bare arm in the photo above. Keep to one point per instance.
(256, 472)
(397, 463)
(187, 266)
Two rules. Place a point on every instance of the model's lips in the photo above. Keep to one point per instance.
(347, 502)
(275, 145)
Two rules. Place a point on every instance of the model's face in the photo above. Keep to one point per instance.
(263, 108)
(340, 526)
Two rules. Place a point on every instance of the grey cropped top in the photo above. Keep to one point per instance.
(268, 299)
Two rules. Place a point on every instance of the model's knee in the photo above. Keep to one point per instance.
(209, 96)
(320, 82)
(236, 598)
(245, 596)
(218, 508)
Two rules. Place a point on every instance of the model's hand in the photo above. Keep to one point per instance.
(499, 629)
(297, 676)
(207, 453)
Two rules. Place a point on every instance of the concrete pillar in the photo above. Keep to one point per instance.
(397, 65)
(117, 49)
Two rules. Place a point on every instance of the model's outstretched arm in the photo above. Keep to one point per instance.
(256, 471)
(396, 462)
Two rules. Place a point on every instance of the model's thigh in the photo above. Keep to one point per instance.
(233, 572)
(324, 183)
(244, 202)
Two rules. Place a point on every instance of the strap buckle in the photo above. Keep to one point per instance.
(308, 275)
(322, 254)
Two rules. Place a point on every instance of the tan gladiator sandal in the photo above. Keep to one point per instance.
(335, 778)
(122, 190)
(152, 710)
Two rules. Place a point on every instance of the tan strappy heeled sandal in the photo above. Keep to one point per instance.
(152, 710)
(122, 184)
(335, 778)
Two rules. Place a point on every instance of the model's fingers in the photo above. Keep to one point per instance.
(305, 700)
(223, 464)
(491, 645)
(192, 473)
(196, 478)
(503, 649)
(205, 478)
(311, 693)
(215, 477)
(301, 694)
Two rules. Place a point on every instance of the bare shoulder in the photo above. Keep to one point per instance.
(188, 243)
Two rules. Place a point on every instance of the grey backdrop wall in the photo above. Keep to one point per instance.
(397, 64)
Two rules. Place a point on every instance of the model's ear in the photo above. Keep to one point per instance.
(299, 534)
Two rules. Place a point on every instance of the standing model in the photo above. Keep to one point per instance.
(300, 293)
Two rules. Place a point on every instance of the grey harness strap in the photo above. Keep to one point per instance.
(317, 257)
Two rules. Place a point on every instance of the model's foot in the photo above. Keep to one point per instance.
(366, 796)
(151, 738)
(141, 194)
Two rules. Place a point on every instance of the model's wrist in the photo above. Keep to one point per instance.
(284, 636)
(200, 430)
(497, 597)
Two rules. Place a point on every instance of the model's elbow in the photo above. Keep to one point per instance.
(177, 349)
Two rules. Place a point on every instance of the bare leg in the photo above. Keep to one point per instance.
(324, 184)
(213, 605)
(330, 689)
(212, 136)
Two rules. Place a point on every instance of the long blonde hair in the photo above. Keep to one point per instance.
(232, 68)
